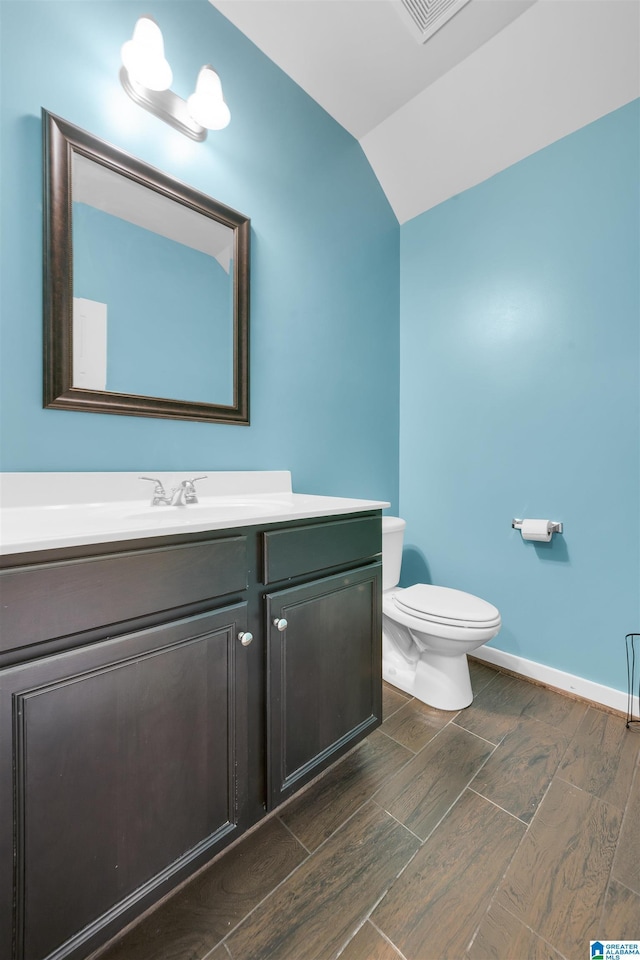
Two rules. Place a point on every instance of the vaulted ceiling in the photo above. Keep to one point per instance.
(500, 80)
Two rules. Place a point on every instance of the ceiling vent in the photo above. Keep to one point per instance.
(427, 16)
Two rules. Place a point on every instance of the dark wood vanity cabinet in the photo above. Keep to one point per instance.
(151, 710)
(127, 769)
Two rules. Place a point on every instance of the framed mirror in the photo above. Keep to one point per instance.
(146, 288)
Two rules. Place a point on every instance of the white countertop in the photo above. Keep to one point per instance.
(43, 511)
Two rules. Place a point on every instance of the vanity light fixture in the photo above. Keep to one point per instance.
(143, 56)
(146, 77)
(206, 106)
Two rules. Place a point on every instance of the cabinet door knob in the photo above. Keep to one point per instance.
(281, 624)
(245, 638)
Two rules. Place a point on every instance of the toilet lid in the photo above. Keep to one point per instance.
(444, 605)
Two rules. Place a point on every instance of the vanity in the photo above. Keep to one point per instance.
(168, 676)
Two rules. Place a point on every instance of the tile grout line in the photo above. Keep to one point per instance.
(393, 713)
(385, 937)
(383, 895)
(626, 886)
(537, 935)
(554, 774)
(452, 804)
(411, 759)
(400, 824)
(209, 953)
(623, 819)
(295, 870)
(492, 900)
(370, 798)
(594, 796)
(397, 742)
(297, 839)
(420, 749)
(554, 726)
(348, 941)
(497, 805)
(223, 941)
(430, 834)
(414, 754)
(491, 743)
(401, 871)
(310, 853)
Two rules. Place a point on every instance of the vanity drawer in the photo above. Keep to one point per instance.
(299, 551)
(58, 599)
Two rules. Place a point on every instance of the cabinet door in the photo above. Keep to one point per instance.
(325, 674)
(125, 765)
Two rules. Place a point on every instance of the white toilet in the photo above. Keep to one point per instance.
(428, 631)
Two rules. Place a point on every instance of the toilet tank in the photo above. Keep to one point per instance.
(392, 537)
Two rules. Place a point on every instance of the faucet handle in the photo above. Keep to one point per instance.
(158, 491)
(190, 494)
(158, 483)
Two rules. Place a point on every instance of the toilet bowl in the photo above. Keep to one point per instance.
(427, 631)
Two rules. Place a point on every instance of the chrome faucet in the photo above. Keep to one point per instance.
(188, 490)
(181, 495)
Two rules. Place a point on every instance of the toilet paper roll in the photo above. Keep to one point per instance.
(539, 530)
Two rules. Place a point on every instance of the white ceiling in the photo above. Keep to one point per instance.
(105, 189)
(502, 79)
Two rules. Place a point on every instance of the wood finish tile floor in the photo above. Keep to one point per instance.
(509, 830)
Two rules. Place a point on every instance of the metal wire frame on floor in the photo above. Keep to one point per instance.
(630, 641)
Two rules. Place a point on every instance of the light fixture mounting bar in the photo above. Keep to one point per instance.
(164, 104)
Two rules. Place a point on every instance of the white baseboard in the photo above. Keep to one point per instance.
(549, 676)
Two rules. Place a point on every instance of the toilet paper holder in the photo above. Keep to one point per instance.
(555, 525)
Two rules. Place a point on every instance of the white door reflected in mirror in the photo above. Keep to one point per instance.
(89, 344)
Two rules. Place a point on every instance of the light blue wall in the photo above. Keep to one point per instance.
(520, 314)
(325, 253)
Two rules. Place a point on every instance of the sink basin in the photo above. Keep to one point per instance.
(216, 508)
(24, 525)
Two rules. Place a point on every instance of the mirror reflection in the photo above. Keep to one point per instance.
(152, 320)
(140, 262)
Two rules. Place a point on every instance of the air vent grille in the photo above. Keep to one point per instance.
(427, 16)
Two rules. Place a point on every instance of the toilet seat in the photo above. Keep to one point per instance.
(444, 605)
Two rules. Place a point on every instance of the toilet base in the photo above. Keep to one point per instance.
(443, 682)
(440, 681)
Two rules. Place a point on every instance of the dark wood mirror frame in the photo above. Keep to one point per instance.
(61, 140)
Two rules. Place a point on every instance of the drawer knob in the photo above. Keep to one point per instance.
(281, 624)
(245, 638)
